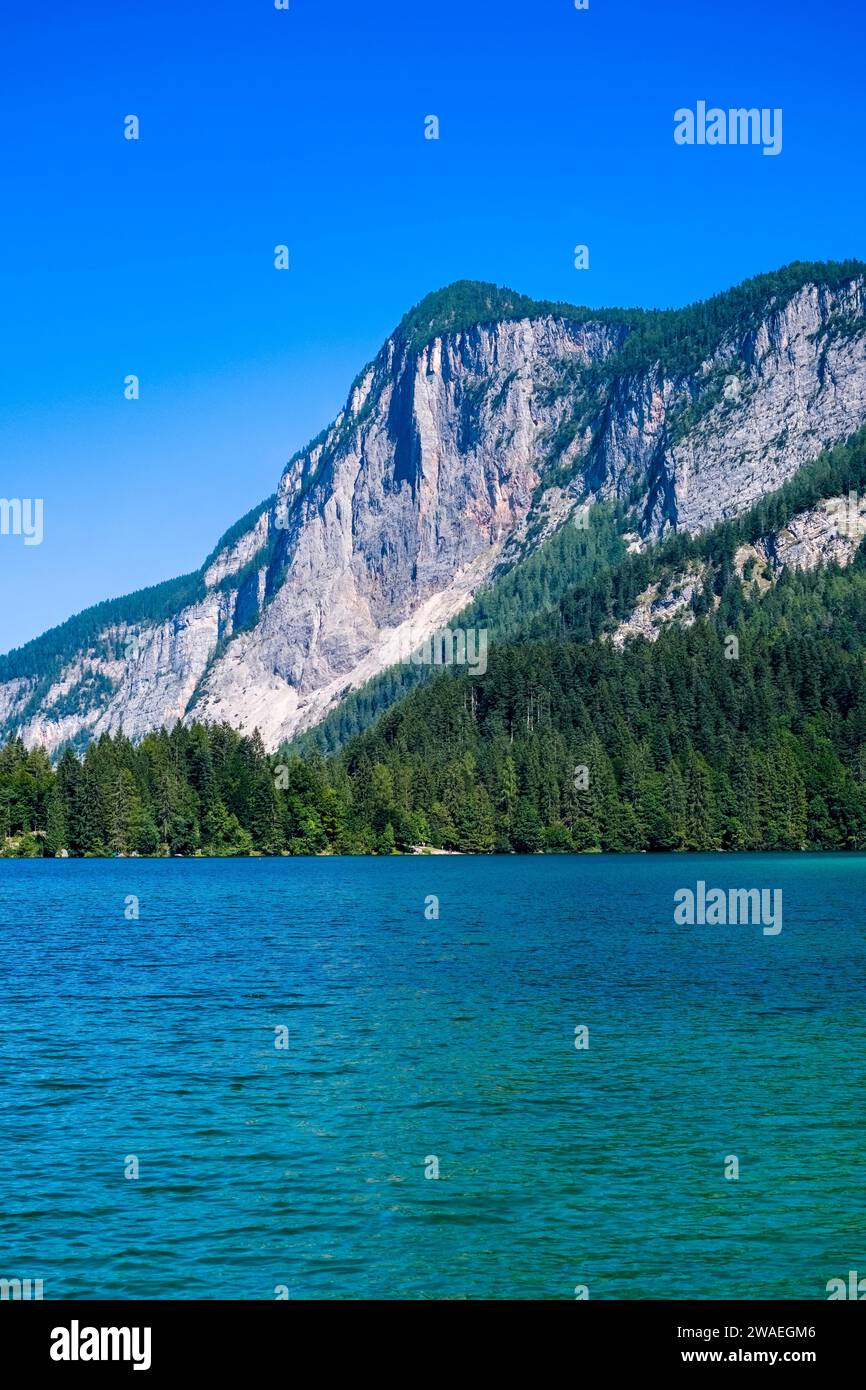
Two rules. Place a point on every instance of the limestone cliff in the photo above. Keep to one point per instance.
(460, 447)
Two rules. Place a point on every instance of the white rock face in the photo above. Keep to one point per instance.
(397, 518)
(428, 481)
(234, 557)
(798, 389)
(152, 679)
(659, 605)
(829, 533)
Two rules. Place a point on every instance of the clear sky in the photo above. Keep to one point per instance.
(260, 126)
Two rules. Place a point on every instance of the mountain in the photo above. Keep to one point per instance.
(706, 692)
(485, 424)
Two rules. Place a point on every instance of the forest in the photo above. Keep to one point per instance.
(563, 745)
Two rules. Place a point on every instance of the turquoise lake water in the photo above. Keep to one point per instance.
(411, 1038)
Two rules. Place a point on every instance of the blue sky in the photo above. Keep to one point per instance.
(306, 127)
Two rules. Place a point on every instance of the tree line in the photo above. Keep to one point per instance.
(562, 745)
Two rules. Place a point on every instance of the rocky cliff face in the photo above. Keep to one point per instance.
(829, 533)
(451, 458)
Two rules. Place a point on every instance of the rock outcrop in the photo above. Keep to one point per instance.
(452, 457)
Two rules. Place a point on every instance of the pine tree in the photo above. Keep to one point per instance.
(55, 823)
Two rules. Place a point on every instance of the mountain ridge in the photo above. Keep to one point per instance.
(456, 453)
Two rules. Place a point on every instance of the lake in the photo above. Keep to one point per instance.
(283, 1050)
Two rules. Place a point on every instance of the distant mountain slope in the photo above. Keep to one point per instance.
(739, 724)
(729, 713)
(483, 423)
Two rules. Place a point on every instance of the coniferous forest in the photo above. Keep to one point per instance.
(561, 745)
(565, 743)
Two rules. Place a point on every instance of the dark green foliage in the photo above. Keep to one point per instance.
(679, 338)
(565, 743)
(467, 303)
(683, 747)
(194, 790)
(561, 745)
